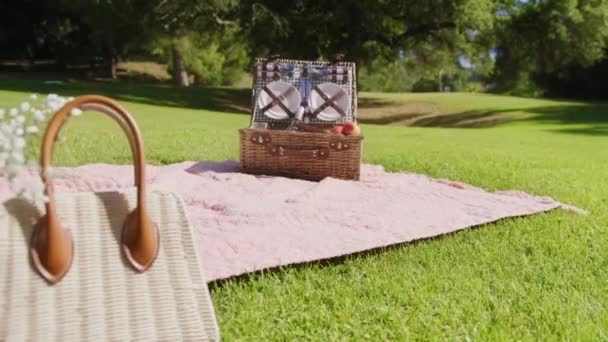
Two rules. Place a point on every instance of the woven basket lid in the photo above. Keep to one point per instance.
(327, 92)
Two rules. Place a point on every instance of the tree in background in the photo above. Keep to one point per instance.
(521, 47)
(31, 30)
(576, 81)
(115, 25)
(120, 24)
(549, 38)
(195, 31)
(81, 31)
(212, 58)
(364, 29)
(393, 40)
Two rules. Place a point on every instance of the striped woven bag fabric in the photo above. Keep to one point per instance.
(117, 266)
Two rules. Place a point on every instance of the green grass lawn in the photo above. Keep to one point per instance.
(540, 277)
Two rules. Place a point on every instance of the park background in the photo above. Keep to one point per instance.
(501, 94)
(530, 48)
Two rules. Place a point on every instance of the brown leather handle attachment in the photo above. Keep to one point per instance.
(51, 245)
(284, 151)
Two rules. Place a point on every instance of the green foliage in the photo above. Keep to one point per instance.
(549, 37)
(517, 82)
(473, 87)
(237, 58)
(366, 30)
(386, 76)
(576, 81)
(418, 71)
(536, 45)
(524, 85)
(425, 85)
(116, 25)
(200, 41)
(213, 58)
(396, 43)
(541, 44)
(202, 58)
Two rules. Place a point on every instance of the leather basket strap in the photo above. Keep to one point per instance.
(329, 102)
(276, 100)
(51, 245)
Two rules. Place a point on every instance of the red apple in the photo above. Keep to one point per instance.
(337, 129)
(351, 128)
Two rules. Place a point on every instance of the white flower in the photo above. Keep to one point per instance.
(31, 129)
(54, 106)
(38, 115)
(15, 130)
(17, 157)
(19, 142)
(54, 102)
(76, 112)
(25, 106)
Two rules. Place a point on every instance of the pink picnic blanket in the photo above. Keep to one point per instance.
(246, 223)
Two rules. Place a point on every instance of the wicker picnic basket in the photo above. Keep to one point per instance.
(101, 266)
(298, 144)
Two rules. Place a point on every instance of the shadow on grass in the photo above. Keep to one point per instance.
(592, 130)
(469, 119)
(591, 118)
(584, 118)
(229, 100)
(424, 114)
(382, 112)
(427, 114)
(587, 119)
(390, 118)
(579, 118)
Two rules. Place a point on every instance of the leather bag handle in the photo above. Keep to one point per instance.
(51, 246)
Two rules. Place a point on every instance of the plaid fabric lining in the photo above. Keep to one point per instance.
(304, 75)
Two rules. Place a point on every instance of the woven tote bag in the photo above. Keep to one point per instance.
(109, 266)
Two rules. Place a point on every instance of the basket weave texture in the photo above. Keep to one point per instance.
(301, 154)
(304, 155)
(102, 298)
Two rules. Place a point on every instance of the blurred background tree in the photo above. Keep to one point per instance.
(529, 48)
(553, 40)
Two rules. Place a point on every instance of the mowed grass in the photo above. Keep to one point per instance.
(540, 277)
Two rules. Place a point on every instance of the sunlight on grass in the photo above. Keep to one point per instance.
(540, 277)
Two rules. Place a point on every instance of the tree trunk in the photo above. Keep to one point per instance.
(110, 62)
(112, 67)
(440, 81)
(180, 75)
